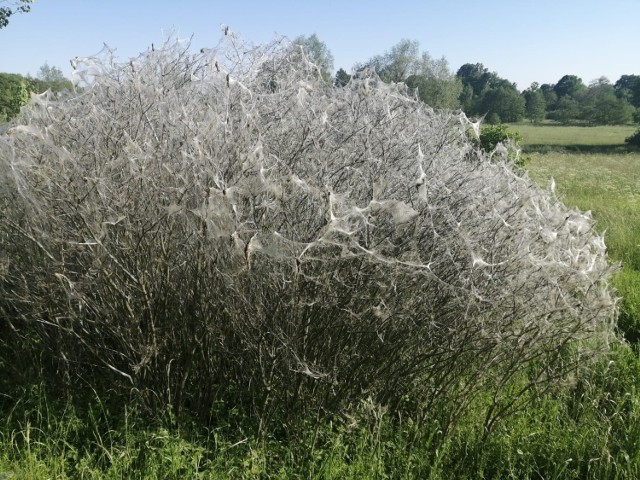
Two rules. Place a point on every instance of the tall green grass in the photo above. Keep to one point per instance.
(591, 431)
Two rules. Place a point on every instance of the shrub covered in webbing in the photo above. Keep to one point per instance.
(224, 225)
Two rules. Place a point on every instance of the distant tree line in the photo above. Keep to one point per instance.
(482, 93)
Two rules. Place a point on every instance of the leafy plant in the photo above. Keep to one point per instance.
(498, 140)
(634, 139)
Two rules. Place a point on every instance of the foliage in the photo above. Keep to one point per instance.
(201, 231)
(16, 6)
(634, 139)
(431, 78)
(318, 53)
(397, 64)
(342, 78)
(437, 92)
(15, 89)
(550, 96)
(502, 104)
(13, 95)
(569, 86)
(535, 104)
(566, 110)
(49, 78)
(489, 95)
(600, 105)
(498, 140)
(628, 87)
(477, 77)
(48, 73)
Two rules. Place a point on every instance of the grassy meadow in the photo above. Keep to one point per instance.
(592, 430)
(549, 136)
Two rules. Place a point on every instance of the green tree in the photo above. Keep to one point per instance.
(567, 110)
(503, 104)
(48, 73)
(16, 6)
(569, 85)
(466, 98)
(49, 78)
(437, 92)
(397, 64)
(476, 76)
(601, 105)
(436, 84)
(14, 93)
(318, 52)
(479, 91)
(550, 96)
(535, 104)
(342, 78)
(628, 86)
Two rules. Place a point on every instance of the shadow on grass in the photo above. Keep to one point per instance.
(578, 148)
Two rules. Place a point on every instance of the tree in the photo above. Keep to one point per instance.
(397, 64)
(49, 78)
(550, 96)
(14, 93)
(535, 104)
(318, 53)
(437, 92)
(342, 78)
(628, 86)
(601, 106)
(502, 104)
(477, 81)
(567, 110)
(480, 78)
(467, 99)
(436, 84)
(16, 6)
(476, 76)
(432, 78)
(569, 85)
(48, 73)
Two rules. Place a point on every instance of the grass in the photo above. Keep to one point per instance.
(548, 137)
(591, 431)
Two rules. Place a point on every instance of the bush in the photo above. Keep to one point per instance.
(225, 226)
(497, 140)
(634, 139)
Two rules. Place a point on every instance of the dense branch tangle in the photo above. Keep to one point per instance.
(225, 225)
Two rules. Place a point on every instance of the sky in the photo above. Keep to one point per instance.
(523, 41)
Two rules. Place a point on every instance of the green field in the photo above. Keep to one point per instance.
(548, 136)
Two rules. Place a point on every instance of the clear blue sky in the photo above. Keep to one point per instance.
(523, 41)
